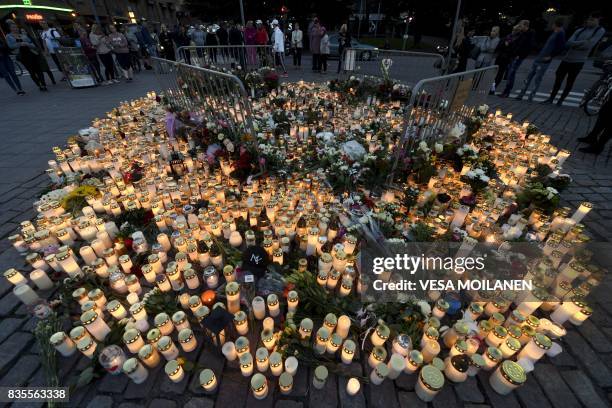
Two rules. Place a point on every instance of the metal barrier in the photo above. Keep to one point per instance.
(406, 66)
(245, 57)
(438, 104)
(212, 95)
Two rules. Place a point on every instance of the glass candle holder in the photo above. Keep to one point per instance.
(414, 360)
(320, 377)
(164, 324)
(112, 359)
(95, 324)
(379, 373)
(246, 364)
(276, 363)
(259, 386)
(187, 340)
(242, 346)
(401, 344)
(208, 380)
(396, 366)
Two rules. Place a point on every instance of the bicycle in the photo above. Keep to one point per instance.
(598, 94)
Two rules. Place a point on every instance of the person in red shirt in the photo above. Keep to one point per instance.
(261, 39)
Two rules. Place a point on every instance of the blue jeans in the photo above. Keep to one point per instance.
(537, 71)
(7, 71)
(512, 68)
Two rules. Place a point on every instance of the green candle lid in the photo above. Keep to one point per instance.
(207, 376)
(77, 332)
(232, 288)
(542, 341)
(258, 382)
(498, 317)
(276, 359)
(500, 331)
(153, 335)
(514, 331)
(268, 334)
(201, 312)
(533, 321)
(461, 346)
(432, 333)
(383, 331)
(513, 344)
(261, 354)
(178, 317)
(164, 343)
(382, 370)
(397, 362)
(432, 377)
(285, 380)
(88, 317)
(485, 325)
(161, 319)
(185, 335)
(145, 351)
(306, 324)
(461, 328)
(494, 354)
(438, 363)
(477, 360)
(323, 334)
(349, 345)
(434, 322)
(415, 357)
(513, 372)
(130, 365)
(172, 367)
(331, 319)
(335, 340)
(242, 342)
(246, 359)
(240, 316)
(321, 373)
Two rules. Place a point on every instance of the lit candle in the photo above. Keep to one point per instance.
(259, 386)
(567, 309)
(261, 357)
(232, 292)
(208, 381)
(396, 365)
(291, 365)
(242, 346)
(136, 371)
(380, 334)
(378, 355)
(378, 374)
(259, 307)
(87, 346)
(285, 383)
(353, 386)
(348, 351)
(241, 323)
(15, 277)
(179, 319)
(430, 382)
(508, 376)
(41, 279)
(163, 323)
(167, 348)
(492, 357)
(149, 355)
(536, 348)
(413, 361)
(273, 305)
(276, 363)
(25, 293)
(95, 324)
(229, 351)
(268, 338)
(63, 344)
(246, 364)
(174, 371)
(133, 340)
(292, 301)
(455, 368)
(187, 340)
(116, 309)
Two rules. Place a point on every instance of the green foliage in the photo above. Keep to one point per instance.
(422, 232)
(74, 201)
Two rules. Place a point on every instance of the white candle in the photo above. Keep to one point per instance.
(353, 386)
(508, 376)
(208, 381)
(291, 365)
(259, 307)
(26, 294)
(167, 348)
(41, 279)
(136, 371)
(149, 355)
(246, 364)
(187, 340)
(174, 371)
(133, 340)
(396, 365)
(15, 277)
(259, 386)
(430, 382)
(378, 374)
(95, 324)
(63, 344)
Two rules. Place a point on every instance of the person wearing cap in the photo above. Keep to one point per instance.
(314, 36)
(278, 46)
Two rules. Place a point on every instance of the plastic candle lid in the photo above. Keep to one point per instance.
(207, 376)
(382, 370)
(432, 378)
(57, 338)
(130, 335)
(242, 342)
(542, 341)
(113, 305)
(397, 362)
(285, 380)
(232, 288)
(416, 357)
(379, 353)
(77, 332)
(153, 335)
(331, 319)
(240, 316)
(323, 333)
(461, 362)
(261, 354)
(306, 324)
(438, 363)
(498, 317)
(172, 367)
(349, 345)
(513, 344)
(494, 354)
(477, 360)
(201, 312)
(275, 358)
(130, 365)
(513, 372)
(145, 351)
(321, 373)
(178, 317)
(432, 333)
(85, 344)
(88, 317)
(383, 331)
(194, 300)
(292, 295)
(258, 382)
(164, 343)
(246, 359)
(461, 328)
(335, 340)
(434, 322)
(161, 319)
(267, 334)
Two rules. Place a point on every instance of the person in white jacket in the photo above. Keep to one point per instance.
(297, 44)
(278, 46)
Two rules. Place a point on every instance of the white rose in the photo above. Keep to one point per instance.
(439, 147)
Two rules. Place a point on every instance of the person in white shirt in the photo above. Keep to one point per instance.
(297, 44)
(50, 37)
(278, 46)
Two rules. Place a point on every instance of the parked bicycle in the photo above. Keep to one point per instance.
(594, 98)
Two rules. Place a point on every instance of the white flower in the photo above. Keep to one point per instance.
(483, 109)
(425, 307)
(471, 174)
(457, 131)
(484, 178)
(551, 193)
(423, 146)
(438, 147)
(344, 167)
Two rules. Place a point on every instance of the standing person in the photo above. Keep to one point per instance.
(148, 46)
(166, 43)
(134, 47)
(103, 48)
(250, 35)
(27, 54)
(520, 50)
(183, 40)
(90, 52)
(297, 43)
(463, 48)
(579, 47)
(324, 50)
(223, 36)
(236, 38)
(198, 36)
(601, 132)
(50, 39)
(7, 68)
(504, 55)
(344, 42)
(487, 49)
(212, 41)
(278, 46)
(553, 46)
(120, 47)
(314, 37)
(262, 39)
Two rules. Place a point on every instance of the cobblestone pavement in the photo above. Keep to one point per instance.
(579, 377)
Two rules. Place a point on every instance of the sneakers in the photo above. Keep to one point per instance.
(116, 81)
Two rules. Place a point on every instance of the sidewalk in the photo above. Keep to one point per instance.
(580, 377)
